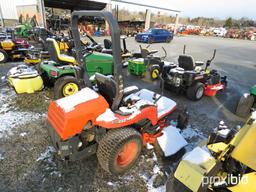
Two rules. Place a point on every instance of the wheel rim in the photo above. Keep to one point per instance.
(200, 92)
(70, 89)
(127, 154)
(155, 73)
(1, 56)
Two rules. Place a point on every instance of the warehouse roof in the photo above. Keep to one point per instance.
(75, 4)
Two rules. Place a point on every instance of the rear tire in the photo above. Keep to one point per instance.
(244, 105)
(195, 92)
(168, 40)
(150, 41)
(3, 56)
(112, 151)
(155, 72)
(61, 88)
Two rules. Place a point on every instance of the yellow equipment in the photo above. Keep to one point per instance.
(7, 44)
(25, 79)
(226, 163)
(32, 61)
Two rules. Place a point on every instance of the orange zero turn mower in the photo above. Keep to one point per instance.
(114, 122)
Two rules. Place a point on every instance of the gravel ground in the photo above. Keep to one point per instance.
(29, 163)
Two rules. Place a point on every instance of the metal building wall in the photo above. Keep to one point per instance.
(8, 9)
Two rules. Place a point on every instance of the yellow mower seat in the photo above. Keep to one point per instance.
(54, 51)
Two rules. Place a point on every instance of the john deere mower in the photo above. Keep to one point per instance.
(146, 61)
(112, 122)
(189, 77)
(23, 29)
(246, 103)
(62, 71)
(12, 48)
(226, 163)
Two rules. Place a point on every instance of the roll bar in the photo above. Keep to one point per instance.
(115, 38)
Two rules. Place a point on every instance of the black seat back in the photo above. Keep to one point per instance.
(107, 44)
(52, 51)
(186, 62)
(144, 52)
(110, 90)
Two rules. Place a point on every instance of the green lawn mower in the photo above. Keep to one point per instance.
(23, 29)
(147, 61)
(62, 71)
(246, 103)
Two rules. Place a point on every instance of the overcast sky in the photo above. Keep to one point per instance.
(207, 8)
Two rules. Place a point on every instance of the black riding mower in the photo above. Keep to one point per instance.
(189, 77)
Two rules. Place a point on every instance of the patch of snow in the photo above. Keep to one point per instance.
(149, 146)
(154, 157)
(22, 70)
(156, 169)
(68, 103)
(254, 115)
(14, 119)
(56, 173)
(171, 141)
(107, 116)
(197, 156)
(125, 64)
(164, 104)
(47, 154)
(92, 78)
(110, 183)
(23, 134)
(246, 95)
(189, 132)
(1, 156)
(130, 88)
(136, 107)
(224, 132)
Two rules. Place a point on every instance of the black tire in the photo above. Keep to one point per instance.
(4, 56)
(193, 92)
(155, 71)
(61, 83)
(111, 145)
(150, 40)
(244, 105)
(182, 120)
(168, 40)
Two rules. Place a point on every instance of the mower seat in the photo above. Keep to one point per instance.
(107, 44)
(186, 62)
(110, 90)
(146, 97)
(55, 54)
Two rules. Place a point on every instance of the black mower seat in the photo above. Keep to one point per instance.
(107, 44)
(186, 62)
(55, 54)
(110, 90)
